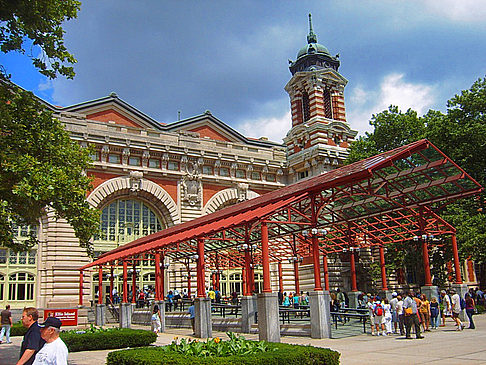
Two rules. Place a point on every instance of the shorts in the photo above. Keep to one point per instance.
(455, 315)
(394, 317)
(379, 319)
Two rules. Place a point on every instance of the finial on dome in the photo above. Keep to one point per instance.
(311, 38)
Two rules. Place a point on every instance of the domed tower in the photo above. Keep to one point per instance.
(320, 135)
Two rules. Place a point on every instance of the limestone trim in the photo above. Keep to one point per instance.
(136, 186)
(220, 198)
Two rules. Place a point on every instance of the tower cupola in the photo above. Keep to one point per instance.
(313, 56)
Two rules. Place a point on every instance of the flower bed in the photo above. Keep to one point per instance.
(236, 350)
(97, 338)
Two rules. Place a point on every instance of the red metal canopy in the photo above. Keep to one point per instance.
(390, 197)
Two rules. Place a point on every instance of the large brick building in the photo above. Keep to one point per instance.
(150, 175)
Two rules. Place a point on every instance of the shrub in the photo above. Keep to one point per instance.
(277, 353)
(480, 308)
(18, 329)
(102, 339)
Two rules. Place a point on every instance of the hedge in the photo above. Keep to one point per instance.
(116, 338)
(18, 329)
(284, 354)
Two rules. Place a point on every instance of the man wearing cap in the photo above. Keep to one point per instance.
(54, 351)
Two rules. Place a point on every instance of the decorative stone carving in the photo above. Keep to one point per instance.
(105, 150)
(242, 191)
(135, 181)
(145, 158)
(191, 189)
(125, 155)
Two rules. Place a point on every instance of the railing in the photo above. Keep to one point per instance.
(113, 309)
(223, 309)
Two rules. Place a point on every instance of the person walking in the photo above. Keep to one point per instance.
(156, 324)
(32, 341)
(456, 309)
(434, 313)
(470, 308)
(54, 351)
(388, 317)
(411, 316)
(446, 306)
(424, 311)
(192, 316)
(6, 321)
(379, 316)
(393, 304)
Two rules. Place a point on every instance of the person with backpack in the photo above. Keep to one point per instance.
(379, 316)
(410, 310)
(456, 309)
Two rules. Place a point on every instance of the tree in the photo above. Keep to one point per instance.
(461, 134)
(41, 168)
(38, 22)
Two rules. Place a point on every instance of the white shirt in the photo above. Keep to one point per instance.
(393, 304)
(456, 303)
(53, 353)
(400, 307)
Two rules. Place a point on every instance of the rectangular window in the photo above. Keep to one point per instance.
(134, 161)
(3, 256)
(174, 166)
(207, 170)
(13, 258)
(271, 177)
(112, 158)
(95, 156)
(223, 171)
(240, 174)
(32, 257)
(255, 175)
(154, 163)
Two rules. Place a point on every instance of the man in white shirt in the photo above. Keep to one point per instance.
(456, 309)
(54, 351)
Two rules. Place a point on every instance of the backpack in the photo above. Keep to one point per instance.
(463, 304)
(378, 310)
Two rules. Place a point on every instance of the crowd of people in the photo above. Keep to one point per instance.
(41, 344)
(411, 310)
(293, 299)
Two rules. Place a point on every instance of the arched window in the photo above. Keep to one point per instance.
(126, 220)
(327, 104)
(21, 286)
(305, 106)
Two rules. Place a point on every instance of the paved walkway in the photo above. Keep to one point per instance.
(444, 346)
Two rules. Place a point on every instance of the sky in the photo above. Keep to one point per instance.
(231, 57)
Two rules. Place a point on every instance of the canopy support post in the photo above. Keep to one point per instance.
(81, 278)
(157, 276)
(326, 272)
(202, 321)
(384, 285)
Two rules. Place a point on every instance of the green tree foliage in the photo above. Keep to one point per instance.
(41, 168)
(38, 24)
(461, 134)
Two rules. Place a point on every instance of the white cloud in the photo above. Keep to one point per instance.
(45, 85)
(393, 90)
(273, 128)
(461, 11)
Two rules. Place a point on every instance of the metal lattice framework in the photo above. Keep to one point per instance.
(388, 198)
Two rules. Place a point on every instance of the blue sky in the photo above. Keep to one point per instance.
(230, 57)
